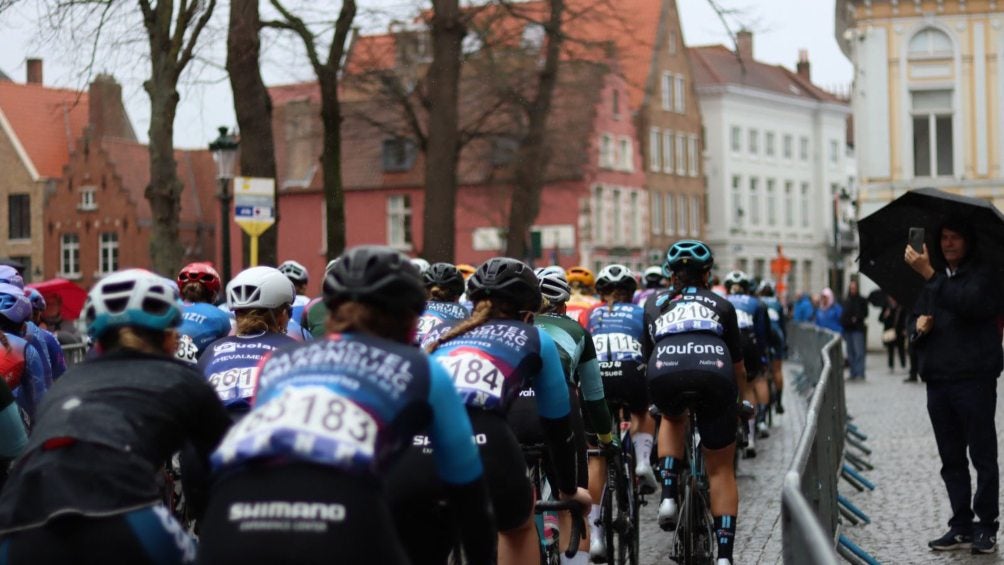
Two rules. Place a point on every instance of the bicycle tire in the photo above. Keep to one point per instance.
(627, 529)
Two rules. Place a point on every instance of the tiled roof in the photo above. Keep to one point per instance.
(3, 76)
(46, 121)
(718, 65)
(285, 93)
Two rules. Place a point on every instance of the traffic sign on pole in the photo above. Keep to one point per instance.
(254, 208)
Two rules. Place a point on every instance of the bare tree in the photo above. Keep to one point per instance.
(253, 107)
(327, 72)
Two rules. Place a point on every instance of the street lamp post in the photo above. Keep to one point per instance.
(224, 150)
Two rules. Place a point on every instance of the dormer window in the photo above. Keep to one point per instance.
(398, 155)
(88, 199)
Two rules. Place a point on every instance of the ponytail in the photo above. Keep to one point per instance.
(484, 310)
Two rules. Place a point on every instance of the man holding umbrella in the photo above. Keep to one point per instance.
(960, 358)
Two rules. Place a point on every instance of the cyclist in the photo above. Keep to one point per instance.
(754, 329)
(444, 285)
(692, 344)
(55, 353)
(654, 281)
(421, 264)
(301, 475)
(260, 298)
(314, 316)
(492, 356)
(582, 281)
(201, 322)
(777, 343)
(21, 363)
(86, 485)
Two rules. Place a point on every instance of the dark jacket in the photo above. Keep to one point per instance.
(964, 343)
(855, 313)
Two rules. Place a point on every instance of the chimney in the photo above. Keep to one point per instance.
(106, 114)
(34, 71)
(802, 67)
(744, 45)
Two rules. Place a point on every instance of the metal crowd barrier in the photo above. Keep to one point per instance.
(809, 508)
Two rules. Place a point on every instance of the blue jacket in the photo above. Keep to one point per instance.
(829, 318)
(804, 311)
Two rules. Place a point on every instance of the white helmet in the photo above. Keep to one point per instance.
(615, 276)
(421, 264)
(259, 287)
(133, 297)
(293, 271)
(553, 284)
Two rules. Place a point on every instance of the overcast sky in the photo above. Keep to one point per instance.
(781, 28)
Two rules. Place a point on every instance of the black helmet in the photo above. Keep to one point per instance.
(377, 275)
(445, 276)
(508, 279)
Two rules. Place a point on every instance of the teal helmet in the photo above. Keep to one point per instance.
(688, 254)
(133, 297)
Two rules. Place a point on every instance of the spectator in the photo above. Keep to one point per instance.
(959, 350)
(804, 310)
(893, 318)
(828, 313)
(852, 321)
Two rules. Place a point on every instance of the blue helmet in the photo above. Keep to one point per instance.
(133, 297)
(14, 304)
(688, 254)
(9, 275)
(36, 299)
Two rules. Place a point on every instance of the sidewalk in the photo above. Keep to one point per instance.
(910, 505)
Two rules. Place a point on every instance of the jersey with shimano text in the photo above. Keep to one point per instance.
(230, 365)
(201, 324)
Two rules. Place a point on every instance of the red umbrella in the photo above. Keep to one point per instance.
(70, 296)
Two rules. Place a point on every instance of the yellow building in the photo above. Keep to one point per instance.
(928, 97)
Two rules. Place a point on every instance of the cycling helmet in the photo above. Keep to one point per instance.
(553, 284)
(36, 299)
(421, 264)
(508, 279)
(9, 275)
(466, 270)
(654, 276)
(14, 305)
(736, 278)
(613, 277)
(134, 297)
(581, 276)
(443, 275)
(688, 254)
(376, 275)
(294, 271)
(203, 273)
(259, 287)
(765, 288)
(329, 266)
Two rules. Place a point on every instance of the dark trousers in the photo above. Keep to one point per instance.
(962, 414)
(895, 347)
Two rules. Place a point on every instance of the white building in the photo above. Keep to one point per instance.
(776, 166)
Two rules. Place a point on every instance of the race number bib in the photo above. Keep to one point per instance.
(428, 323)
(773, 315)
(617, 347)
(687, 317)
(477, 379)
(312, 421)
(187, 351)
(234, 384)
(744, 318)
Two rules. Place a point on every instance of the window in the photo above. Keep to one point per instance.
(399, 221)
(771, 203)
(759, 267)
(598, 231)
(606, 151)
(398, 155)
(667, 151)
(681, 215)
(618, 227)
(671, 42)
(737, 139)
(655, 212)
(87, 198)
(932, 133)
(625, 154)
(768, 143)
(617, 103)
(670, 214)
(653, 150)
(533, 36)
(504, 150)
(804, 204)
(788, 146)
(635, 219)
(679, 97)
(692, 156)
(737, 200)
(930, 42)
(69, 251)
(108, 253)
(754, 141)
(789, 204)
(667, 91)
(803, 148)
(834, 151)
(695, 215)
(681, 154)
(807, 281)
(19, 216)
(754, 201)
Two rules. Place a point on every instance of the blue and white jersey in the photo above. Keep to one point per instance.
(352, 402)
(492, 362)
(299, 303)
(437, 315)
(33, 335)
(21, 367)
(230, 365)
(617, 331)
(56, 357)
(752, 317)
(775, 313)
(201, 324)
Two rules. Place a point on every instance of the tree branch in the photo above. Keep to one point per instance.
(186, 55)
(297, 26)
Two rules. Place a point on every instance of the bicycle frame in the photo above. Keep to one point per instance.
(694, 540)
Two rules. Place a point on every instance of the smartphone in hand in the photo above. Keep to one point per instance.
(916, 239)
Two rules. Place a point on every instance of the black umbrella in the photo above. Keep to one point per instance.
(884, 237)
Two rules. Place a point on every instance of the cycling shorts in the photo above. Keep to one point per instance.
(624, 384)
(298, 513)
(505, 470)
(148, 535)
(525, 423)
(752, 358)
